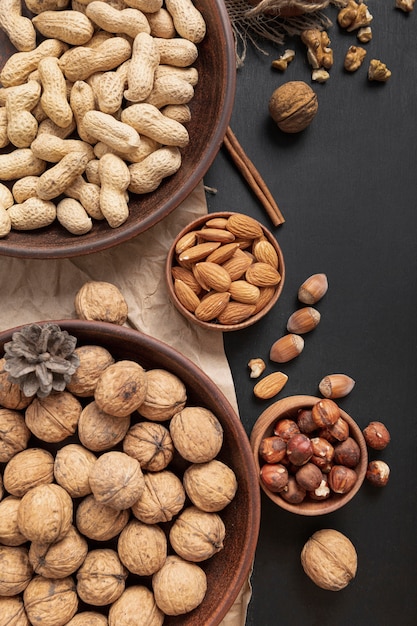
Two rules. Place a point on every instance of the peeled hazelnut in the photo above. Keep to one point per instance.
(303, 320)
(322, 492)
(309, 476)
(293, 106)
(272, 449)
(293, 492)
(325, 412)
(336, 385)
(378, 473)
(286, 348)
(313, 289)
(299, 449)
(274, 476)
(305, 421)
(376, 435)
(342, 478)
(339, 431)
(286, 428)
(347, 453)
(323, 453)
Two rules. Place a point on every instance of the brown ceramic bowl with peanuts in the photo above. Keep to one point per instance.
(304, 466)
(225, 271)
(227, 571)
(210, 108)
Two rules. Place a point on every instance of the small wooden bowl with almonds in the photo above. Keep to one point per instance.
(225, 271)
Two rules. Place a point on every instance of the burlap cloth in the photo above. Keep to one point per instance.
(35, 290)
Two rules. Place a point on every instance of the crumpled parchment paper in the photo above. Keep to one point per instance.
(35, 290)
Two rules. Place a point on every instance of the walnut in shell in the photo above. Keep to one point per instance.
(12, 611)
(45, 513)
(72, 468)
(196, 535)
(116, 480)
(142, 548)
(99, 431)
(11, 395)
(101, 301)
(197, 434)
(54, 417)
(179, 586)
(98, 521)
(14, 434)
(31, 467)
(162, 498)
(329, 558)
(93, 361)
(165, 395)
(101, 578)
(10, 534)
(121, 388)
(150, 444)
(124, 612)
(59, 559)
(210, 486)
(88, 618)
(50, 602)
(15, 570)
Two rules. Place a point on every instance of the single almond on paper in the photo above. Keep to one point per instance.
(186, 295)
(336, 385)
(262, 275)
(286, 348)
(270, 385)
(265, 252)
(212, 275)
(211, 306)
(242, 291)
(244, 226)
(303, 320)
(198, 252)
(235, 312)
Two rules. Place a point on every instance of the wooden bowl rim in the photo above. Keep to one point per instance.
(285, 408)
(213, 325)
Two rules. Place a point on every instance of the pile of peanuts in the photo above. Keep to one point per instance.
(94, 111)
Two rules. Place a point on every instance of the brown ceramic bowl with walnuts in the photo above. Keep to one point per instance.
(228, 570)
(289, 409)
(211, 108)
(249, 303)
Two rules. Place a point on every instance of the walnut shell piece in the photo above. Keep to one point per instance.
(197, 434)
(45, 513)
(50, 602)
(196, 535)
(329, 558)
(72, 468)
(54, 417)
(179, 586)
(12, 611)
(93, 361)
(150, 444)
(121, 388)
(293, 106)
(210, 486)
(31, 467)
(15, 570)
(124, 611)
(116, 480)
(98, 521)
(101, 301)
(162, 498)
(99, 431)
(165, 395)
(142, 548)
(14, 434)
(101, 578)
(59, 559)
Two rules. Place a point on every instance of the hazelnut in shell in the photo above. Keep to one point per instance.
(50, 602)
(329, 558)
(313, 289)
(98, 521)
(101, 578)
(210, 486)
(179, 586)
(124, 612)
(31, 467)
(165, 395)
(197, 535)
(150, 444)
(116, 480)
(45, 513)
(197, 434)
(142, 548)
(293, 106)
(14, 434)
(15, 570)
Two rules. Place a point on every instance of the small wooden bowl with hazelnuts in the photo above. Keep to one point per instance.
(311, 456)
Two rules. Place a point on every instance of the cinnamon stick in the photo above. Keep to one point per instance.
(252, 177)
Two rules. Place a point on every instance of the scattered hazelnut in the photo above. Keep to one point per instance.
(272, 449)
(342, 478)
(325, 412)
(313, 289)
(299, 449)
(336, 386)
(376, 435)
(378, 473)
(286, 428)
(274, 476)
(293, 106)
(303, 320)
(347, 453)
(309, 476)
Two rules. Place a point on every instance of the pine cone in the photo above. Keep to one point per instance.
(40, 359)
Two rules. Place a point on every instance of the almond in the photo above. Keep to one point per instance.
(266, 294)
(237, 265)
(270, 385)
(216, 234)
(235, 312)
(265, 252)
(286, 348)
(217, 222)
(186, 241)
(223, 253)
(181, 273)
(242, 291)
(212, 276)
(262, 275)
(244, 226)
(186, 295)
(303, 320)
(211, 306)
(198, 252)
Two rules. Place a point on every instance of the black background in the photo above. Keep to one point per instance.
(347, 187)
